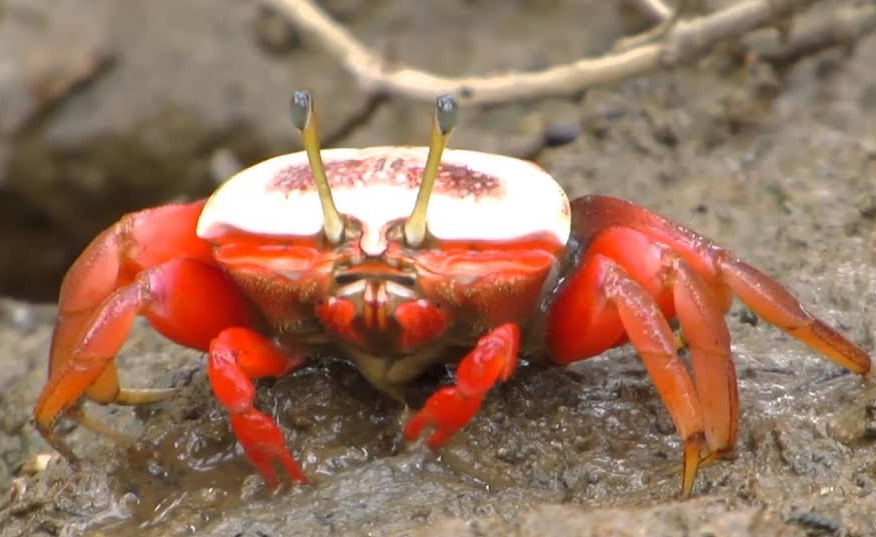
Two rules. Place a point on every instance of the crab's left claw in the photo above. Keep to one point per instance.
(492, 360)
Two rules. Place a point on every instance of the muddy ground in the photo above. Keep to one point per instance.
(776, 164)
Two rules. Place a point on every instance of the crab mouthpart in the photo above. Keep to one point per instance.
(363, 310)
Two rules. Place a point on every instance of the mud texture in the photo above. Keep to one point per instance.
(778, 165)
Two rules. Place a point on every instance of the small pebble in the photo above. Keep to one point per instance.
(22, 317)
(746, 316)
(866, 205)
(561, 133)
(37, 464)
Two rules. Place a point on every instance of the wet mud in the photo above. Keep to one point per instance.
(779, 166)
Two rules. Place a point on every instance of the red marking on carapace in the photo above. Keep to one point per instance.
(452, 180)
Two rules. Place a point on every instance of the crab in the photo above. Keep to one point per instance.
(400, 258)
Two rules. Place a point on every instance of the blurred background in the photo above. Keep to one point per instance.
(108, 107)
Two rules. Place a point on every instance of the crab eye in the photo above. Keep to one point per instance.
(443, 123)
(446, 112)
(304, 119)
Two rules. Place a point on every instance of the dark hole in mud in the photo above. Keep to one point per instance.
(58, 199)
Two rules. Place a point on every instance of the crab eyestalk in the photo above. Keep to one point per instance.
(304, 120)
(442, 124)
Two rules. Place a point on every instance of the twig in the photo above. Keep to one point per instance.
(655, 33)
(685, 41)
(842, 28)
(655, 10)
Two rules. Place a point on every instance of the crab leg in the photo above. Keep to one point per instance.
(449, 409)
(683, 293)
(236, 356)
(778, 307)
(724, 273)
(184, 299)
(602, 303)
(651, 270)
(703, 324)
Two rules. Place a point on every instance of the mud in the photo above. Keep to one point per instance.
(778, 166)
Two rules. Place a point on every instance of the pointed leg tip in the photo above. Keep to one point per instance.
(293, 471)
(48, 434)
(294, 475)
(835, 346)
(692, 447)
(415, 426)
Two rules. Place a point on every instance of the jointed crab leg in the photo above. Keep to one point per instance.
(450, 408)
(236, 356)
(616, 304)
(778, 307)
(637, 271)
(112, 260)
(681, 292)
(725, 274)
(703, 324)
(184, 299)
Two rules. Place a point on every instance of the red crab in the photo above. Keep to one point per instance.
(398, 258)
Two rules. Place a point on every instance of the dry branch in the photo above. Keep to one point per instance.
(841, 28)
(667, 20)
(654, 10)
(685, 40)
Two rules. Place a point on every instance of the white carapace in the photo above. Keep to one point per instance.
(477, 196)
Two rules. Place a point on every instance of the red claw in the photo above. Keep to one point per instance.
(237, 356)
(452, 407)
(263, 443)
(448, 410)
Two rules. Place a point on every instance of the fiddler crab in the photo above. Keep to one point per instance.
(400, 258)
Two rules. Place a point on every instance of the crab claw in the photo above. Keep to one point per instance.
(447, 411)
(452, 407)
(236, 356)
